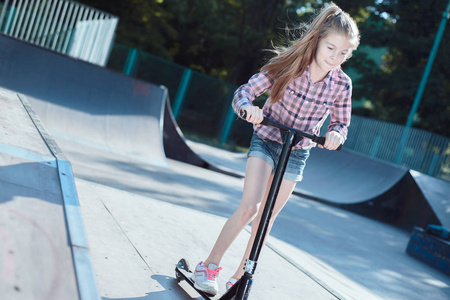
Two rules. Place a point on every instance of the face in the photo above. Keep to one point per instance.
(332, 52)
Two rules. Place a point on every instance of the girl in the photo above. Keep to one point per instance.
(306, 84)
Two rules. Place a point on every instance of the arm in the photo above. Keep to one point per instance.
(257, 85)
(339, 119)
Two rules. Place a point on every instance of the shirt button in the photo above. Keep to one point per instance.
(292, 92)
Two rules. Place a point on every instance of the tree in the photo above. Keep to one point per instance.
(222, 38)
(143, 24)
(410, 37)
(227, 38)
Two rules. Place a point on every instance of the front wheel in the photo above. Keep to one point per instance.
(178, 276)
(184, 265)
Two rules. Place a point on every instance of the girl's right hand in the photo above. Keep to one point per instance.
(254, 114)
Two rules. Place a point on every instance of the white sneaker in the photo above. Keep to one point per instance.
(232, 281)
(205, 278)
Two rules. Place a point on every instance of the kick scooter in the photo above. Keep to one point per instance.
(241, 289)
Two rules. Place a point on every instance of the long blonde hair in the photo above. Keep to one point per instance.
(290, 62)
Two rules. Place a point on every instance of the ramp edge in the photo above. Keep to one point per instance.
(84, 272)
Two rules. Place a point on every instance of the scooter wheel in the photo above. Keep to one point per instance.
(178, 276)
(183, 264)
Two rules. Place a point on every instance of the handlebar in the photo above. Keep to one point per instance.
(266, 121)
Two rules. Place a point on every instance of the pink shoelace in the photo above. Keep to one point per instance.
(212, 274)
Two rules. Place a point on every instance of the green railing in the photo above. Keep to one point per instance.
(202, 106)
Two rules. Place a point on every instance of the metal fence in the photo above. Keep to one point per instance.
(423, 151)
(64, 26)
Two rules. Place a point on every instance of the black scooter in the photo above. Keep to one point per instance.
(241, 289)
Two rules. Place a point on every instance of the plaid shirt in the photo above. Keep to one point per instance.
(304, 106)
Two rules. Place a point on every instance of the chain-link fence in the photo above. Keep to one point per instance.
(423, 151)
(204, 111)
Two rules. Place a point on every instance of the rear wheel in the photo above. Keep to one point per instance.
(178, 276)
(184, 265)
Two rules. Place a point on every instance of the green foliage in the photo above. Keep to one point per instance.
(226, 39)
(143, 24)
(410, 41)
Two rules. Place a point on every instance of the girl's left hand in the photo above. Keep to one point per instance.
(333, 140)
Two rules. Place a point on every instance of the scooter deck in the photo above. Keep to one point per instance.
(182, 272)
(186, 275)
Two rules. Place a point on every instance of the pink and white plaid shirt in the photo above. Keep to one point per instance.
(304, 106)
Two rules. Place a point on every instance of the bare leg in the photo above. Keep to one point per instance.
(284, 193)
(257, 175)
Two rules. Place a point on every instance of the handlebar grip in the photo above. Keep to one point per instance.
(243, 115)
(321, 140)
(317, 139)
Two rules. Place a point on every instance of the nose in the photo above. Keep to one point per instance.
(333, 55)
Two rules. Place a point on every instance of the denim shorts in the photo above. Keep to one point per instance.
(270, 151)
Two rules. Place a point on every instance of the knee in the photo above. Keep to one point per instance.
(248, 213)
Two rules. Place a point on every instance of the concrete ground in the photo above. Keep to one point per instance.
(35, 256)
(164, 214)
(141, 218)
(136, 241)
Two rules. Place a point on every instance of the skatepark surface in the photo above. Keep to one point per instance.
(343, 255)
(130, 212)
(141, 218)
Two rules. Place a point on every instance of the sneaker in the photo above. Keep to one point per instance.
(230, 283)
(204, 278)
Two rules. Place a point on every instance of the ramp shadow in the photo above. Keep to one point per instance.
(30, 180)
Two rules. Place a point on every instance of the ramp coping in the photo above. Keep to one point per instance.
(84, 273)
(28, 155)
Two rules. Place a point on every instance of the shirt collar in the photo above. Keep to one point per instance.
(328, 80)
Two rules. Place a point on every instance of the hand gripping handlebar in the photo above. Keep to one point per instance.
(266, 121)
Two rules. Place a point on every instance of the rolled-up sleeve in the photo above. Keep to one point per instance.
(340, 114)
(257, 85)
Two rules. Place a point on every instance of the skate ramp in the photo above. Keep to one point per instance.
(336, 177)
(119, 213)
(135, 239)
(86, 103)
(176, 146)
(95, 107)
(437, 193)
(43, 249)
(346, 178)
(375, 189)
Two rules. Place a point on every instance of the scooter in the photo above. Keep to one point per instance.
(241, 289)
